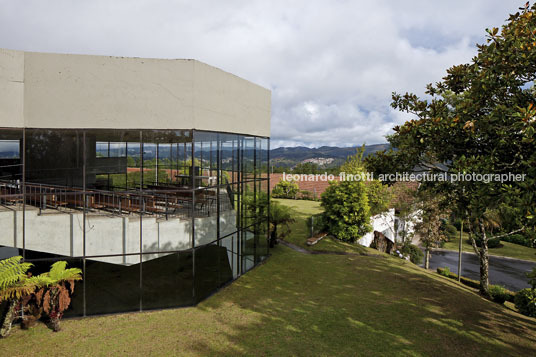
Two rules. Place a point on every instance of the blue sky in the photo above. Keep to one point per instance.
(331, 65)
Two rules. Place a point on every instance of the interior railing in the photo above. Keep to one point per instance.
(158, 200)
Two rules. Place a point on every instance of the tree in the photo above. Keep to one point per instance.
(280, 219)
(404, 200)
(309, 168)
(345, 203)
(480, 119)
(430, 226)
(379, 197)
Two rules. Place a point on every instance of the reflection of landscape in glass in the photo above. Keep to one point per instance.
(182, 211)
(9, 149)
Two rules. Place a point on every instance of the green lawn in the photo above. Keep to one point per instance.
(299, 232)
(305, 304)
(507, 250)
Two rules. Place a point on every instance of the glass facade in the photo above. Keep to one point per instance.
(154, 218)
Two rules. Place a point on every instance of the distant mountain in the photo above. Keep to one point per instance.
(290, 156)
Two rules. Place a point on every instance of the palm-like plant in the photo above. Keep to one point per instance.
(56, 298)
(16, 286)
(280, 216)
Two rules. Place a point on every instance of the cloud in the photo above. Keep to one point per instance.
(331, 65)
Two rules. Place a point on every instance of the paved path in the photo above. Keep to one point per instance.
(504, 271)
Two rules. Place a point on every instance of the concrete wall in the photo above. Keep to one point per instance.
(62, 233)
(383, 222)
(11, 88)
(45, 90)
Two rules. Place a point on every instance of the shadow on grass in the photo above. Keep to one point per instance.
(321, 304)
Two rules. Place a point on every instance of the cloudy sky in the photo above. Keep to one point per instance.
(331, 65)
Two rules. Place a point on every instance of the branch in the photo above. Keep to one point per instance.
(509, 234)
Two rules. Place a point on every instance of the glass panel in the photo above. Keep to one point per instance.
(206, 219)
(112, 286)
(167, 280)
(230, 243)
(166, 158)
(211, 270)
(247, 248)
(11, 143)
(54, 191)
(167, 198)
(112, 216)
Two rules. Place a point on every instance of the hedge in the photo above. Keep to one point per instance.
(472, 283)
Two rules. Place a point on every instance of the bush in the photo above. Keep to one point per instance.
(492, 243)
(518, 239)
(444, 271)
(319, 224)
(450, 231)
(306, 195)
(466, 281)
(525, 301)
(285, 189)
(346, 210)
(498, 293)
(415, 253)
(509, 295)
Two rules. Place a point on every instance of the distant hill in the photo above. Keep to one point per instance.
(290, 156)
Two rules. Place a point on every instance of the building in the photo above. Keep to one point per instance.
(150, 175)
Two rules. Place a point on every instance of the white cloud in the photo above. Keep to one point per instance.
(331, 65)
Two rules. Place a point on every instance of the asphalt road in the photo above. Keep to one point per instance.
(509, 273)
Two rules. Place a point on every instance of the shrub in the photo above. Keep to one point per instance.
(509, 295)
(415, 253)
(285, 189)
(466, 281)
(306, 195)
(498, 294)
(445, 271)
(346, 210)
(492, 243)
(518, 239)
(450, 231)
(525, 301)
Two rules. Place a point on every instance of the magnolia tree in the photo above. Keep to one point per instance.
(481, 118)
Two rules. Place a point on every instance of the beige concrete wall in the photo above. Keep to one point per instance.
(47, 90)
(11, 88)
(223, 101)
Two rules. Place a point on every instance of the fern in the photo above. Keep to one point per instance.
(58, 273)
(12, 271)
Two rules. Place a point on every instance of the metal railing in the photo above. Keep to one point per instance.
(159, 201)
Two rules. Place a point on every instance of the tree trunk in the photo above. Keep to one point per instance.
(427, 258)
(11, 315)
(484, 262)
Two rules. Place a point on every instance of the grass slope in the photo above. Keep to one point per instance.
(298, 304)
(305, 304)
(507, 250)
